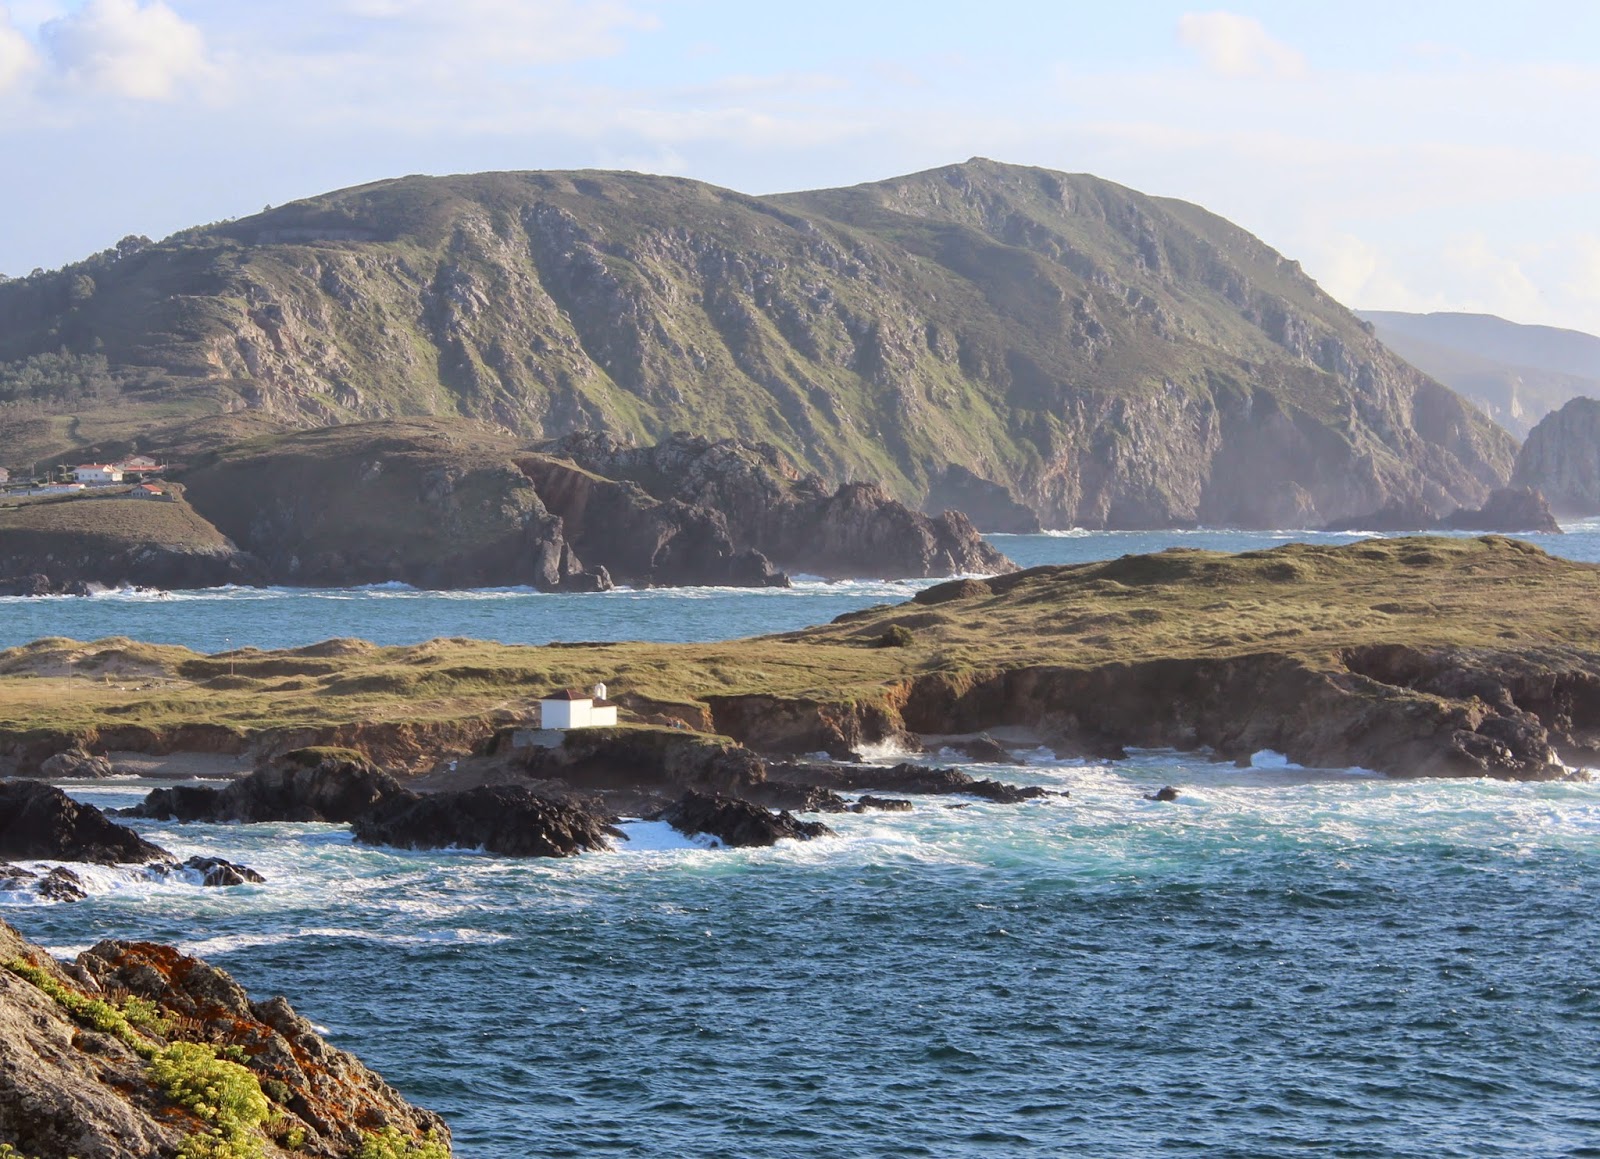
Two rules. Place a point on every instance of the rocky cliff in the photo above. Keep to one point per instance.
(135, 1051)
(1109, 358)
(1562, 459)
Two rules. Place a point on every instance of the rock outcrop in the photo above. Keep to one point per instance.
(738, 824)
(1508, 510)
(93, 1055)
(40, 822)
(315, 784)
(1561, 459)
(796, 520)
(509, 820)
(991, 506)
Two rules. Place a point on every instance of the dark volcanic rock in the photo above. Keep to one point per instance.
(75, 764)
(1561, 459)
(57, 884)
(40, 822)
(738, 823)
(984, 749)
(317, 784)
(1398, 515)
(39, 584)
(217, 872)
(904, 778)
(1508, 509)
(1164, 793)
(881, 804)
(506, 819)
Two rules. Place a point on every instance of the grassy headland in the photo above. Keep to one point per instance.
(1328, 648)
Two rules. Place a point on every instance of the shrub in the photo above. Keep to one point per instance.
(895, 636)
(224, 1094)
(391, 1144)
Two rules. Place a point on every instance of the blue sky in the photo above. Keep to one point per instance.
(1412, 155)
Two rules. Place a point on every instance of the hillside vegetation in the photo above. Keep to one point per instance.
(1113, 359)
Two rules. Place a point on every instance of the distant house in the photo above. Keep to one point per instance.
(138, 465)
(97, 474)
(575, 708)
(150, 491)
(58, 489)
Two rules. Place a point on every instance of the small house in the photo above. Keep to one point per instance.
(138, 465)
(150, 491)
(575, 708)
(97, 474)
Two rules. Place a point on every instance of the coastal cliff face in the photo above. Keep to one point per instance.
(136, 1051)
(1110, 359)
(1562, 459)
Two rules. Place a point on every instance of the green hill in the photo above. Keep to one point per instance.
(1113, 359)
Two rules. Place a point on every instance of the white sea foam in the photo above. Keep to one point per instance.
(659, 837)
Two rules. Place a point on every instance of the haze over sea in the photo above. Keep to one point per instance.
(1280, 962)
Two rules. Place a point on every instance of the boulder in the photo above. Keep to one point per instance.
(215, 871)
(881, 804)
(40, 822)
(985, 750)
(1164, 793)
(510, 820)
(738, 823)
(313, 784)
(57, 884)
(75, 765)
(905, 778)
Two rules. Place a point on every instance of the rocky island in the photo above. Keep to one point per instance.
(1423, 656)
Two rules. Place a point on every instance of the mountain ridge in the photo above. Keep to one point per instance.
(1108, 358)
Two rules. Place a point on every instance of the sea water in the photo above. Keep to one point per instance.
(1280, 962)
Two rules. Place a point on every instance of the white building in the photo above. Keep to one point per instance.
(97, 474)
(575, 708)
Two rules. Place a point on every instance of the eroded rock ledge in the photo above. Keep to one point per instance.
(100, 1057)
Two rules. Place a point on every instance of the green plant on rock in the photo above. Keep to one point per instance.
(224, 1094)
(390, 1143)
(95, 1012)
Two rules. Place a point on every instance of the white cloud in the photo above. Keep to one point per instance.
(517, 31)
(17, 57)
(1235, 45)
(145, 52)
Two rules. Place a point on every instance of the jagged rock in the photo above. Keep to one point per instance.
(217, 872)
(1561, 459)
(57, 884)
(75, 765)
(1164, 793)
(985, 750)
(763, 504)
(1509, 510)
(881, 804)
(736, 823)
(904, 778)
(510, 820)
(315, 784)
(40, 822)
(324, 1091)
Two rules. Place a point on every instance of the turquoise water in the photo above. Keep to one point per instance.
(1282, 962)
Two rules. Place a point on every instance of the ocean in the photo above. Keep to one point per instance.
(1280, 962)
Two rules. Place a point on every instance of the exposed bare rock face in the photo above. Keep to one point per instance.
(989, 505)
(794, 519)
(736, 823)
(68, 1088)
(1562, 459)
(510, 820)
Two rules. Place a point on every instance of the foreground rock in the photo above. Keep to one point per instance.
(738, 824)
(314, 784)
(40, 822)
(70, 1087)
(1561, 458)
(510, 820)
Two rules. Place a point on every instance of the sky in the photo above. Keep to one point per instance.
(1412, 155)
